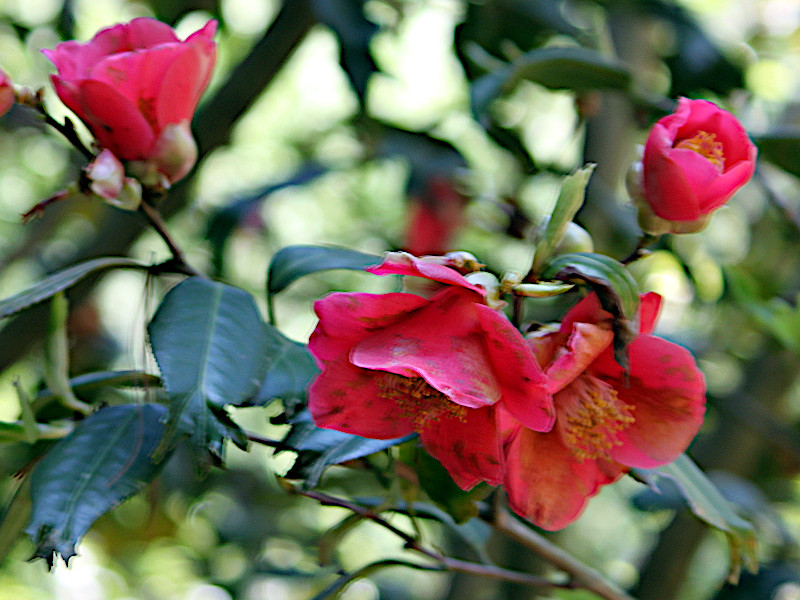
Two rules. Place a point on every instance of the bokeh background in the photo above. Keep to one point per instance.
(353, 122)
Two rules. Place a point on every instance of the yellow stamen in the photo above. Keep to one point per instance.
(417, 400)
(706, 144)
(592, 416)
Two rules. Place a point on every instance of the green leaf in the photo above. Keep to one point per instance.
(293, 262)
(62, 280)
(107, 459)
(707, 504)
(782, 148)
(318, 448)
(556, 68)
(213, 350)
(570, 200)
(290, 372)
(614, 285)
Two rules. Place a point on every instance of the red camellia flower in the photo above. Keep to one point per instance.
(393, 364)
(136, 86)
(607, 421)
(7, 96)
(694, 161)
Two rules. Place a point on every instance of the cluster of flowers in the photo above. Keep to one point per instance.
(552, 416)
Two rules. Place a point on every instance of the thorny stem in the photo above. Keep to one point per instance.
(641, 249)
(448, 564)
(582, 575)
(178, 261)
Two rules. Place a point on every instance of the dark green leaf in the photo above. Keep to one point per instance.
(291, 370)
(212, 348)
(707, 503)
(293, 262)
(62, 280)
(556, 68)
(614, 285)
(105, 460)
(318, 448)
(782, 148)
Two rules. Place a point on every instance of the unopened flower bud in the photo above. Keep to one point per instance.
(107, 180)
(105, 174)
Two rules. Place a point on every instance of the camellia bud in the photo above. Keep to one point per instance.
(107, 180)
(694, 161)
(105, 174)
(7, 95)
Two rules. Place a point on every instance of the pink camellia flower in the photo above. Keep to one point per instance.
(7, 95)
(607, 421)
(136, 87)
(694, 161)
(393, 364)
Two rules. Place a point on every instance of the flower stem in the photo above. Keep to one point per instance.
(582, 575)
(178, 261)
(641, 249)
(447, 563)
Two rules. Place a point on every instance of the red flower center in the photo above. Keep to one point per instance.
(706, 144)
(417, 400)
(592, 416)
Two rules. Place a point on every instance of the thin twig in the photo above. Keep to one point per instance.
(582, 575)
(269, 442)
(449, 564)
(67, 129)
(641, 249)
(178, 258)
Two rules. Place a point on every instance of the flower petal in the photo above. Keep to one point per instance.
(546, 484)
(649, 307)
(585, 344)
(667, 392)
(522, 381)
(468, 448)
(349, 399)
(345, 319)
(402, 263)
(186, 77)
(441, 342)
(114, 120)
